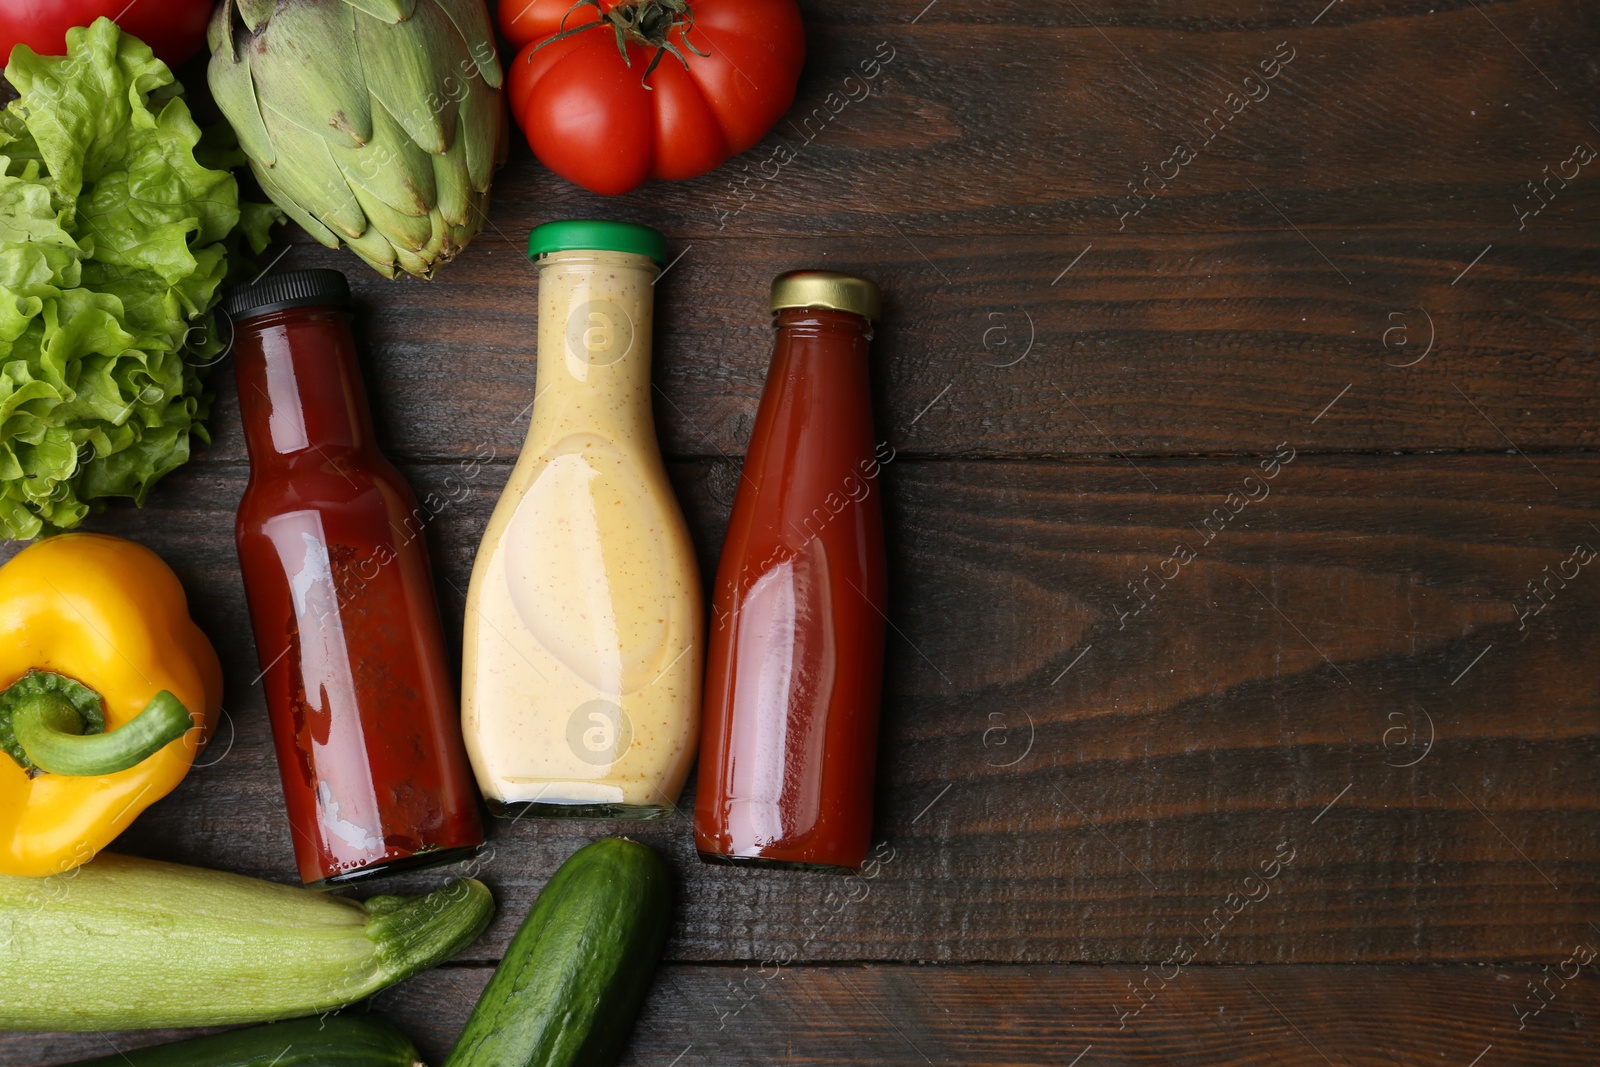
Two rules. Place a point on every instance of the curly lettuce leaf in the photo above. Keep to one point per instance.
(114, 243)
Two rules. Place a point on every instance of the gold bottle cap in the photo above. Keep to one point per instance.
(827, 289)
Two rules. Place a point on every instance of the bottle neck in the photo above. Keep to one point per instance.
(300, 386)
(596, 317)
(814, 426)
(841, 326)
(820, 361)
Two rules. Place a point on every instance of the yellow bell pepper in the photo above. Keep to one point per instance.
(107, 691)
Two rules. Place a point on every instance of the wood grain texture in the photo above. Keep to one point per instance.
(1062, 779)
(1138, 355)
(908, 1016)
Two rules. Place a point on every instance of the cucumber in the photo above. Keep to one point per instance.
(337, 1041)
(576, 973)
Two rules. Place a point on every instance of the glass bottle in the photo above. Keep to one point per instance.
(795, 659)
(582, 666)
(342, 602)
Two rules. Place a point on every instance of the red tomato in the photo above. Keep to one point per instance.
(174, 29)
(591, 116)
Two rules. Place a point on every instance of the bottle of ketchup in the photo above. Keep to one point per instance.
(795, 661)
(341, 597)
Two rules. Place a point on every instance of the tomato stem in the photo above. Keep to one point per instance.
(650, 23)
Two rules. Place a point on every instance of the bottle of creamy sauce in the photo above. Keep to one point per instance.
(582, 665)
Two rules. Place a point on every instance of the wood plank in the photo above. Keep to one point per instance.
(1063, 779)
(909, 1016)
(1139, 355)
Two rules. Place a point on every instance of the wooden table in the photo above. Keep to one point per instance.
(1137, 664)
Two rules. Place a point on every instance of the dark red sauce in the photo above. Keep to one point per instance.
(358, 686)
(795, 662)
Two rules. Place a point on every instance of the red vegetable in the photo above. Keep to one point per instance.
(174, 29)
(612, 93)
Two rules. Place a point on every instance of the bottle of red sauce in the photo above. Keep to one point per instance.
(795, 661)
(347, 630)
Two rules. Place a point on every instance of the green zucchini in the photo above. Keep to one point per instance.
(576, 973)
(337, 1041)
(130, 944)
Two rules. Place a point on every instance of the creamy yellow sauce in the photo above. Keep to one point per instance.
(582, 665)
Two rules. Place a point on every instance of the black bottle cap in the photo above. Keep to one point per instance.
(292, 288)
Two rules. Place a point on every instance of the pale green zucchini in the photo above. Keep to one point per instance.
(124, 944)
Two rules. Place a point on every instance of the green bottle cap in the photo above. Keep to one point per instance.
(594, 235)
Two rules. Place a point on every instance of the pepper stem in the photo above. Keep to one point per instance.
(56, 726)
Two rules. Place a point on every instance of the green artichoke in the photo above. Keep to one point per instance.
(377, 123)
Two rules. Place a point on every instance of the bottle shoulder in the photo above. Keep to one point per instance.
(313, 481)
